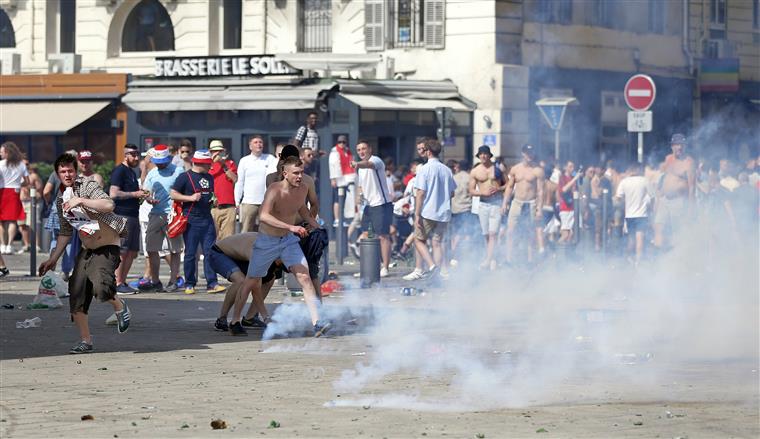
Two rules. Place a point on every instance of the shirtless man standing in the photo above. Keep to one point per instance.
(82, 205)
(676, 191)
(526, 182)
(487, 182)
(278, 238)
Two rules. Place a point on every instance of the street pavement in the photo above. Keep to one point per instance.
(171, 375)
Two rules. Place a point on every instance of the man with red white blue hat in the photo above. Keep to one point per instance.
(195, 189)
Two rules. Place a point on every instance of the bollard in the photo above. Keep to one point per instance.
(340, 238)
(369, 261)
(605, 215)
(576, 216)
(33, 233)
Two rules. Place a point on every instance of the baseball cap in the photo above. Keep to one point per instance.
(160, 154)
(289, 151)
(484, 149)
(528, 149)
(202, 157)
(342, 138)
(84, 156)
(678, 138)
(216, 145)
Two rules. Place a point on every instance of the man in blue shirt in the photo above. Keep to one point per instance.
(195, 189)
(434, 187)
(159, 182)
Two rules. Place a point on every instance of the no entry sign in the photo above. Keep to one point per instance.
(640, 92)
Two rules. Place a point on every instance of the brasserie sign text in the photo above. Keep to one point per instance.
(205, 66)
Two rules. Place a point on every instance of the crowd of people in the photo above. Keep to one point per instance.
(180, 205)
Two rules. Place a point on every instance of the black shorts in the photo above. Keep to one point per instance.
(636, 225)
(131, 242)
(93, 275)
(380, 216)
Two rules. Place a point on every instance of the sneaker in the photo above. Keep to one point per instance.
(189, 290)
(125, 289)
(4, 272)
(444, 275)
(81, 348)
(321, 328)
(112, 320)
(417, 274)
(221, 324)
(22, 250)
(123, 317)
(151, 287)
(6, 250)
(354, 249)
(216, 289)
(255, 322)
(180, 282)
(384, 272)
(136, 283)
(237, 329)
(172, 288)
(432, 272)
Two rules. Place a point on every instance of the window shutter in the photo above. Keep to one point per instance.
(374, 24)
(435, 16)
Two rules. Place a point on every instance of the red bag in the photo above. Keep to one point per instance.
(177, 219)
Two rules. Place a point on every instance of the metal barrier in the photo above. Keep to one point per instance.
(340, 237)
(605, 216)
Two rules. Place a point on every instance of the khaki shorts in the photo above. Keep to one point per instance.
(155, 236)
(430, 229)
(516, 210)
(249, 217)
(93, 276)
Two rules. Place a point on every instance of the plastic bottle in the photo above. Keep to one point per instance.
(370, 231)
(34, 322)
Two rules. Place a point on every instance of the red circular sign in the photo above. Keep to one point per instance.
(640, 92)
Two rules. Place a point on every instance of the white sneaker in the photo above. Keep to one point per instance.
(112, 321)
(417, 274)
(384, 272)
(7, 250)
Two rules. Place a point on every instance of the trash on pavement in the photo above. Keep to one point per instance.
(218, 424)
(88, 418)
(51, 288)
(34, 322)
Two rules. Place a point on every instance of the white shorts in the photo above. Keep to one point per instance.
(566, 220)
(490, 218)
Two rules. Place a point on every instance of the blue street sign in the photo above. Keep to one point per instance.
(553, 114)
(489, 139)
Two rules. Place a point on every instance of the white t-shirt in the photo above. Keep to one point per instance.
(635, 191)
(11, 177)
(252, 175)
(373, 183)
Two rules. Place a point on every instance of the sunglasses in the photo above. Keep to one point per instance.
(134, 153)
(184, 151)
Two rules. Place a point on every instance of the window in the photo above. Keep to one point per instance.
(657, 16)
(7, 35)
(316, 26)
(756, 14)
(233, 19)
(68, 17)
(413, 23)
(718, 13)
(148, 29)
(602, 13)
(555, 11)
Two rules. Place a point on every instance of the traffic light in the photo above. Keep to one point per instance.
(445, 116)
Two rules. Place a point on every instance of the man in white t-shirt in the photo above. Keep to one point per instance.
(634, 190)
(379, 209)
(251, 183)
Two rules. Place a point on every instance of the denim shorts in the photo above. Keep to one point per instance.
(224, 264)
(269, 248)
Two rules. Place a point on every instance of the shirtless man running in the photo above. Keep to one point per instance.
(487, 182)
(278, 238)
(526, 182)
(676, 193)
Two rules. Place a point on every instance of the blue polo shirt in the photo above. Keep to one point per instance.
(437, 181)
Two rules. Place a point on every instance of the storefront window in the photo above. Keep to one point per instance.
(148, 29)
(43, 149)
(416, 117)
(284, 117)
(7, 35)
(377, 116)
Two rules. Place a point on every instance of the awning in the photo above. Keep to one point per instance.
(46, 117)
(221, 98)
(380, 102)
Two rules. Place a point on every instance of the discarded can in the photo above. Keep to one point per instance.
(409, 291)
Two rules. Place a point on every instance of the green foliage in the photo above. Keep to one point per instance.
(44, 169)
(105, 169)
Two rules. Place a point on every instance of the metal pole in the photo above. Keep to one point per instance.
(605, 209)
(641, 148)
(576, 216)
(33, 234)
(556, 146)
(339, 231)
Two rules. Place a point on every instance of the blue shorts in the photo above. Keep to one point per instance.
(224, 264)
(269, 248)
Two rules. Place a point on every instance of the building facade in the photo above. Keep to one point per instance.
(488, 60)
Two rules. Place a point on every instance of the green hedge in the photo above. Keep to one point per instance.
(104, 169)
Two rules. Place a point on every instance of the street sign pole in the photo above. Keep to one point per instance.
(556, 146)
(639, 93)
(553, 110)
(641, 148)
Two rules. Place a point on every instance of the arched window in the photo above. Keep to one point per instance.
(7, 35)
(148, 29)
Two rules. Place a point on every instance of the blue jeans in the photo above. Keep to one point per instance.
(200, 231)
(72, 250)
